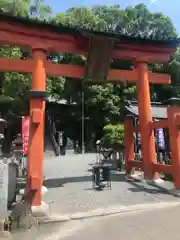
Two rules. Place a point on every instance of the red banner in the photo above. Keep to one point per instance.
(25, 134)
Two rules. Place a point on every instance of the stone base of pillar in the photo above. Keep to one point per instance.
(22, 192)
(128, 176)
(40, 211)
(156, 181)
(130, 172)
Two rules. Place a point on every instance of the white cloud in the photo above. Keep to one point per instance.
(152, 1)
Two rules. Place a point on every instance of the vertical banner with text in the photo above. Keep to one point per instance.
(161, 139)
(25, 134)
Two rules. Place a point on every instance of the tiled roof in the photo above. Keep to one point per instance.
(159, 111)
(59, 28)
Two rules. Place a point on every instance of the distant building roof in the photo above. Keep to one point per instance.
(159, 111)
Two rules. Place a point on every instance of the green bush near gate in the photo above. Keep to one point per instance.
(114, 137)
(168, 177)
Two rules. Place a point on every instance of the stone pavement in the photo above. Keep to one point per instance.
(70, 192)
(68, 179)
(161, 224)
(160, 217)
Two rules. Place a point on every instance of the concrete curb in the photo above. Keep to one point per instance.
(107, 211)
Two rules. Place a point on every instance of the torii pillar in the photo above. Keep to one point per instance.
(37, 117)
(145, 120)
(173, 112)
(129, 143)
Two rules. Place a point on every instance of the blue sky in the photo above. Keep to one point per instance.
(170, 8)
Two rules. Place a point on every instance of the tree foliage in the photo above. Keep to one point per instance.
(104, 104)
(114, 136)
(14, 87)
(26, 8)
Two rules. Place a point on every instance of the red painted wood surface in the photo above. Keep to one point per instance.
(67, 70)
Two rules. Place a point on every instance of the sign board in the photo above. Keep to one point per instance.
(139, 139)
(25, 133)
(60, 138)
(160, 139)
(3, 190)
(99, 58)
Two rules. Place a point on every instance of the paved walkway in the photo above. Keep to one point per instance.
(160, 224)
(147, 224)
(68, 179)
(70, 191)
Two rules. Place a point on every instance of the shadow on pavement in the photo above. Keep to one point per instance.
(56, 183)
(59, 182)
(136, 185)
(142, 188)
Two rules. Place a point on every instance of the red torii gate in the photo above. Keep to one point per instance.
(172, 123)
(100, 48)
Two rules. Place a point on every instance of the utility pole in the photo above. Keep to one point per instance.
(82, 118)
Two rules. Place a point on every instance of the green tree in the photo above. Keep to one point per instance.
(114, 136)
(81, 17)
(104, 104)
(137, 21)
(14, 86)
(24, 8)
(40, 10)
(15, 7)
